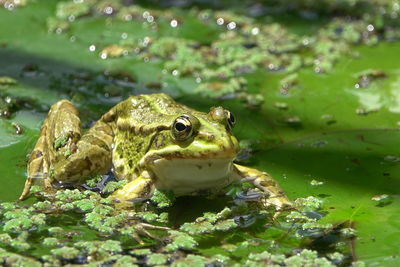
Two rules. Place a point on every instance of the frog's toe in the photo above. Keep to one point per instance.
(279, 202)
(39, 179)
(142, 229)
(140, 188)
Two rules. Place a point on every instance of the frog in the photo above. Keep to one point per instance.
(150, 141)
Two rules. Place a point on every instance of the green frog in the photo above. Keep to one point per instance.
(152, 142)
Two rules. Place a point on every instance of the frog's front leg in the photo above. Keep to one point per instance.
(139, 188)
(62, 156)
(266, 183)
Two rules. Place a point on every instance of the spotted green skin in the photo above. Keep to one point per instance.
(143, 134)
(128, 139)
(137, 139)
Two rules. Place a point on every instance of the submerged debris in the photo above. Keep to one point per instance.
(366, 77)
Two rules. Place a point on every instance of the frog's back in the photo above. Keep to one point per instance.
(150, 110)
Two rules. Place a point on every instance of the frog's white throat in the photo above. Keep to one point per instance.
(185, 176)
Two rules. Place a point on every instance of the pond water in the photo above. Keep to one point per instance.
(319, 134)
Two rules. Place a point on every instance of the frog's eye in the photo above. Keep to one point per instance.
(182, 128)
(231, 120)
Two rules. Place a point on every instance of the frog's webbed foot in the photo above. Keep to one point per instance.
(37, 167)
(141, 229)
(139, 188)
(263, 181)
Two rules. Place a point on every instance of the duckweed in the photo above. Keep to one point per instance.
(112, 186)
(219, 68)
(190, 260)
(163, 198)
(180, 240)
(243, 45)
(66, 252)
(50, 242)
(177, 246)
(157, 259)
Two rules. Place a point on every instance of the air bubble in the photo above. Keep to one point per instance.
(174, 23)
(108, 10)
(231, 25)
(255, 31)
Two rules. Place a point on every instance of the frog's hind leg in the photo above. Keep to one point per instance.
(62, 156)
(263, 181)
(62, 122)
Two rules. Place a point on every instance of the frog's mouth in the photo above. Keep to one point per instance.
(184, 176)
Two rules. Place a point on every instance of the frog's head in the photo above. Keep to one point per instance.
(207, 136)
(196, 152)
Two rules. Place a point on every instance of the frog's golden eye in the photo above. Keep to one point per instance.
(182, 128)
(231, 119)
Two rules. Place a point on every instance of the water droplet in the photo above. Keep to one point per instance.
(108, 10)
(174, 23)
(231, 25)
(124, 35)
(255, 31)
(71, 18)
(357, 86)
(380, 197)
(128, 17)
(370, 27)
(220, 21)
(146, 41)
(175, 72)
(103, 55)
(92, 48)
(150, 19)
(146, 14)
(198, 80)
(9, 6)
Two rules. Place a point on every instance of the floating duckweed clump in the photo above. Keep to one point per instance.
(162, 198)
(303, 258)
(240, 43)
(146, 234)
